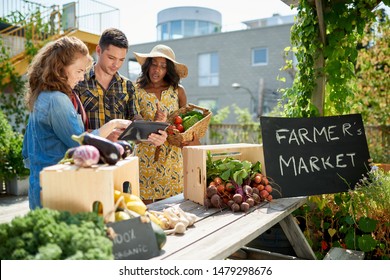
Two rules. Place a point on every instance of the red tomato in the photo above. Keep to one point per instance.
(180, 127)
(178, 120)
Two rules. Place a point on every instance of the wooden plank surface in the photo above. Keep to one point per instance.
(219, 233)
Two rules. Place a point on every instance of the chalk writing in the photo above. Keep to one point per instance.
(302, 136)
(315, 163)
(140, 249)
(125, 237)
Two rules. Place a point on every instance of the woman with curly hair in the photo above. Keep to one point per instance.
(56, 112)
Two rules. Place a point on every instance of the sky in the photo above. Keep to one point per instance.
(138, 18)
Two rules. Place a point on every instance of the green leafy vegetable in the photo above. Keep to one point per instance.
(54, 235)
(230, 169)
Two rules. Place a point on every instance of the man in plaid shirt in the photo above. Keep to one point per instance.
(105, 93)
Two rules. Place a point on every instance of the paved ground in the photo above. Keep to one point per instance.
(12, 206)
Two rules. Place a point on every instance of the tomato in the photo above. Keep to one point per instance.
(180, 127)
(178, 120)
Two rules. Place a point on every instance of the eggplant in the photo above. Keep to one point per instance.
(126, 146)
(108, 151)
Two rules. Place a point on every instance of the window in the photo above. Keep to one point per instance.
(259, 56)
(176, 31)
(208, 69)
(162, 32)
(189, 28)
(204, 27)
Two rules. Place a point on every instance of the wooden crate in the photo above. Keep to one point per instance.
(195, 157)
(71, 188)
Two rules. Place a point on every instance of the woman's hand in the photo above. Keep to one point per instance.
(160, 115)
(194, 142)
(157, 139)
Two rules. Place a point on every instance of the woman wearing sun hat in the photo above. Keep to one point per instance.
(158, 94)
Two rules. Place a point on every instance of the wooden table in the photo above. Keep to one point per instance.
(219, 233)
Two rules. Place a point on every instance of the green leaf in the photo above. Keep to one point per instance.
(349, 220)
(256, 168)
(367, 224)
(338, 200)
(239, 176)
(326, 225)
(225, 175)
(366, 243)
(247, 165)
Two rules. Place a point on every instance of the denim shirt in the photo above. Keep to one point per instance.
(48, 136)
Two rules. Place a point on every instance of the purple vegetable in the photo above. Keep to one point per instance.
(120, 148)
(86, 156)
(127, 148)
(247, 190)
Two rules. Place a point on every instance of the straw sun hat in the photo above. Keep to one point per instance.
(166, 52)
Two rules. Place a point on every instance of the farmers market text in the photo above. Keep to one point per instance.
(313, 163)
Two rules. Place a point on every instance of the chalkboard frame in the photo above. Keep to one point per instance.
(312, 156)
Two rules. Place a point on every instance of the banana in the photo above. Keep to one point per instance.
(132, 197)
(117, 195)
(132, 202)
(137, 206)
(127, 196)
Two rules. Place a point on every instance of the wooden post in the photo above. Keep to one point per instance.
(318, 96)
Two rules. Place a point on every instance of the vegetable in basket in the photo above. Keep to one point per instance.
(190, 121)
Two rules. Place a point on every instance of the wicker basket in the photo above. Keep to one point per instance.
(199, 128)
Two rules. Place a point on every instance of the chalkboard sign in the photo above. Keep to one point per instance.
(134, 240)
(309, 156)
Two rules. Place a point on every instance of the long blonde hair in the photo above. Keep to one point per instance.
(47, 69)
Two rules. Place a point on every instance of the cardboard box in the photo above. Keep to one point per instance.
(75, 189)
(195, 157)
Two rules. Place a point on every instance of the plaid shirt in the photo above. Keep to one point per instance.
(103, 105)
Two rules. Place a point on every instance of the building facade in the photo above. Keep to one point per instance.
(238, 67)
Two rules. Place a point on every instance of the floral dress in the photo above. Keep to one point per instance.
(163, 178)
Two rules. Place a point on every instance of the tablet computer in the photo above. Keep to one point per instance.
(139, 130)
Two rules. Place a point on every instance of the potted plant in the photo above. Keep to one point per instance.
(5, 135)
(18, 176)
